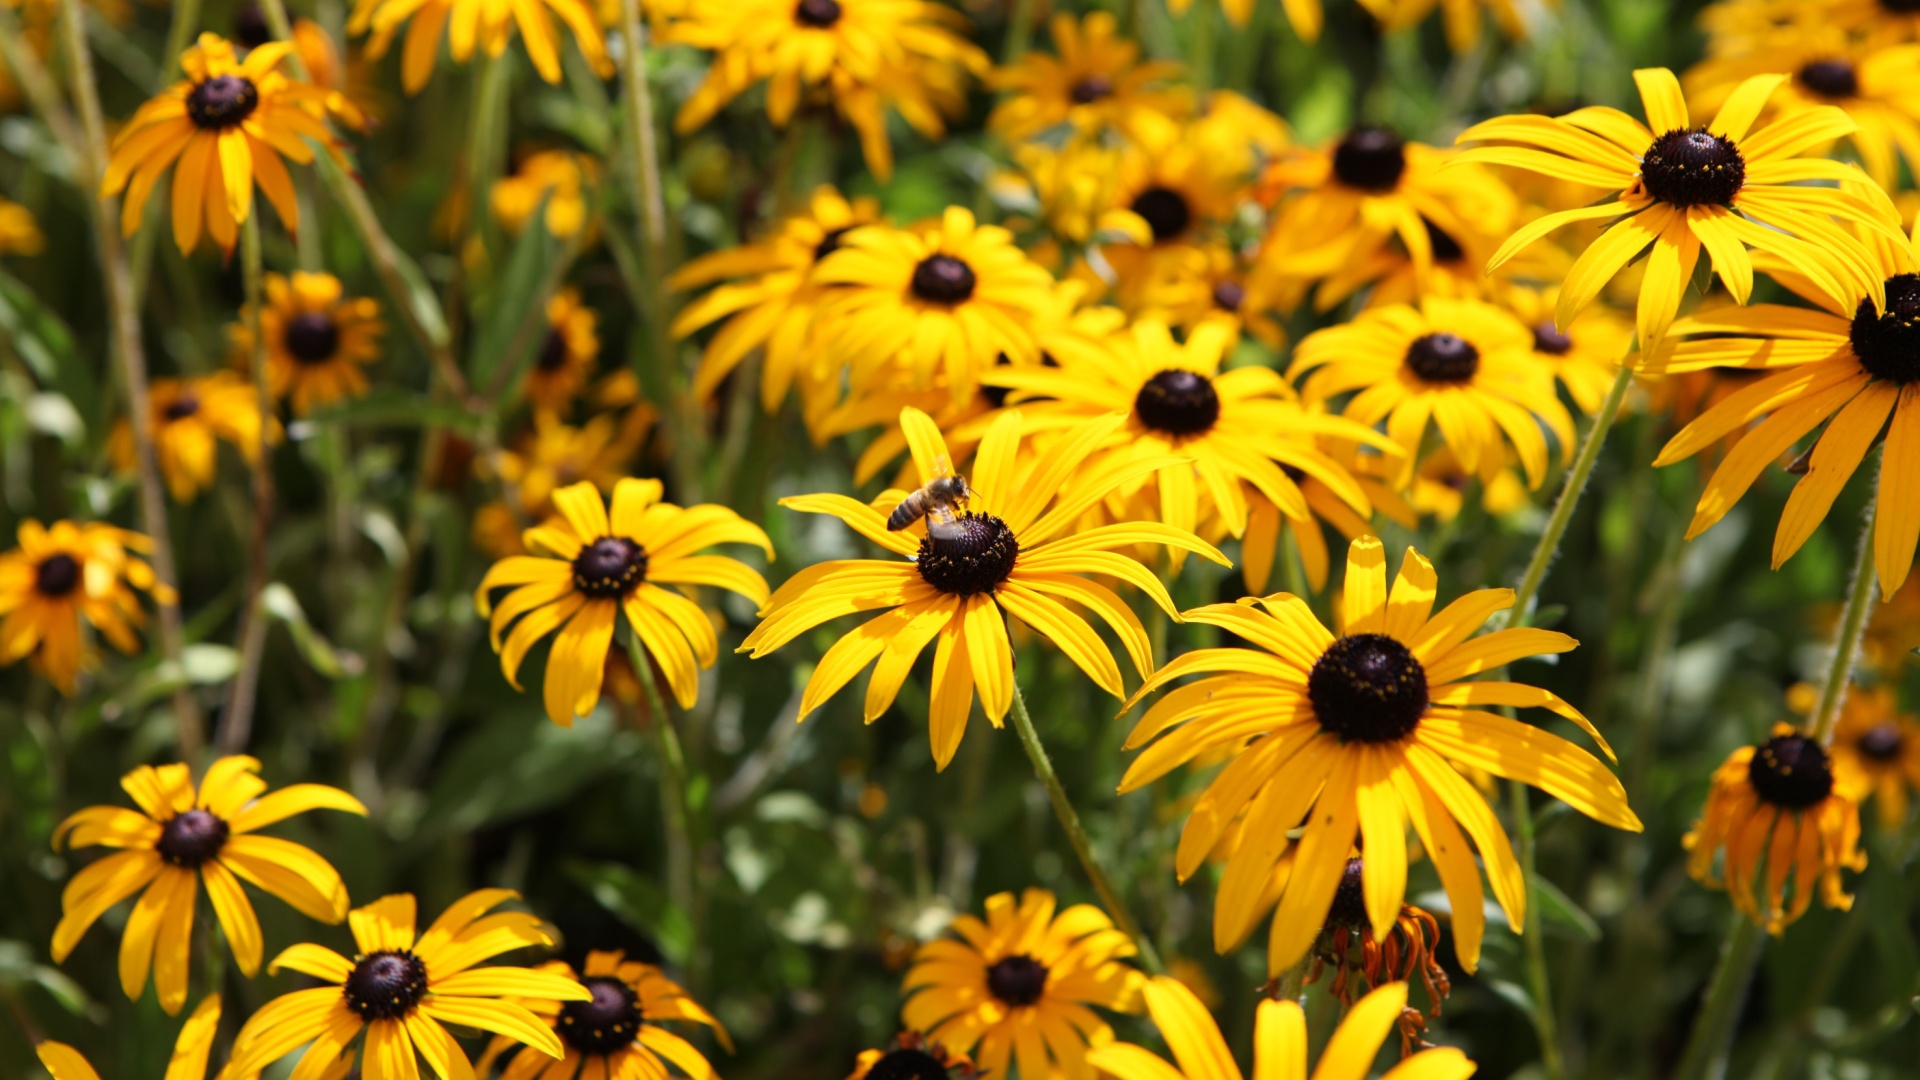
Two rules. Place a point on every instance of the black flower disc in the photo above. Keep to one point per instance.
(1368, 688)
(1790, 771)
(1693, 167)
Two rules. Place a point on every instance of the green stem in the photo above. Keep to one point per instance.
(1707, 1044)
(487, 142)
(1783, 1049)
(236, 720)
(1019, 32)
(1076, 832)
(1563, 507)
(1846, 642)
(673, 783)
(1545, 1024)
(186, 17)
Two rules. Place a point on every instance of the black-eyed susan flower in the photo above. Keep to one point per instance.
(942, 302)
(563, 365)
(19, 233)
(1464, 366)
(1456, 268)
(467, 24)
(1279, 1041)
(1852, 363)
(401, 988)
(190, 419)
(318, 54)
(862, 55)
(1012, 550)
(1225, 437)
(616, 1032)
(227, 124)
(1876, 752)
(179, 839)
(554, 455)
(1181, 200)
(1361, 961)
(1306, 16)
(191, 1049)
(66, 575)
(588, 567)
(910, 1056)
(1073, 192)
(1775, 806)
(318, 339)
(1015, 988)
(770, 299)
(1722, 187)
(1093, 82)
(560, 180)
(1214, 283)
(1358, 735)
(1586, 356)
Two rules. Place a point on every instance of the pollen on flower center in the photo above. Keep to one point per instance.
(609, 1022)
(819, 14)
(975, 560)
(1790, 771)
(1443, 358)
(181, 407)
(609, 566)
(1349, 898)
(312, 337)
(907, 1063)
(1881, 742)
(943, 279)
(553, 352)
(1692, 167)
(385, 985)
(1548, 339)
(192, 838)
(1091, 89)
(1371, 159)
(1178, 402)
(1888, 343)
(1368, 688)
(56, 576)
(1017, 980)
(221, 102)
(1165, 211)
(1831, 78)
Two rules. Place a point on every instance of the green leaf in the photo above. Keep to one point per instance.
(279, 601)
(392, 408)
(42, 340)
(516, 297)
(639, 903)
(1558, 911)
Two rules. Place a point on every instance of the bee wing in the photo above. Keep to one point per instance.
(942, 466)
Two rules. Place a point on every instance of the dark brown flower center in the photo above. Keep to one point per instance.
(181, 407)
(1229, 295)
(385, 985)
(1017, 980)
(609, 566)
(943, 279)
(1548, 339)
(1888, 343)
(830, 243)
(1831, 79)
(1368, 688)
(974, 559)
(1443, 358)
(907, 1063)
(221, 102)
(250, 27)
(553, 352)
(1881, 742)
(312, 337)
(1165, 211)
(56, 576)
(191, 838)
(1371, 159)
(1902, 7)
(819, 14)
(1090, 89)
(609, 1022)
(1445, 248)
(1178, 402)
(1790, 771)
(1349, 899)
(1692, 167)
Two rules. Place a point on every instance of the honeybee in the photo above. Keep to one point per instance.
(935, 501)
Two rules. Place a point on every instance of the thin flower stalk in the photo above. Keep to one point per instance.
(673, 781)
(236, 719)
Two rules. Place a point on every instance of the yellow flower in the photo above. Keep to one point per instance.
(555, 455)
(589, 567)
(1005, 554)
(772, 303)
(1361, 962)
(565, 361)
(1461, 17)
(178, 839)
(1876, 752)
(19, 234)
(1014, 989)
(1074, 189)
(616, 1032)
(1723, 187)
(1212, 283)
(190, 1051)
(1179, 200)
(317, 339)
(860, 54)
(401, 988)
(561, 179)
(909, 1055)
(1466, 366)
(1358, 735)
(228, 124)
(1586, 357)
(1280, 1042)
(189, 417)
(1852, 363)
(1096, 83)
(56, 578)
(941, 302)
(1306, 16)
(468, 23)
(1777, 803)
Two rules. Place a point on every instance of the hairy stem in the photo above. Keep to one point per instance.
(673, 783)
(1846, 638)
(1707, 1043)
(1539, 987)
(1563, 507)
(236, 720)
